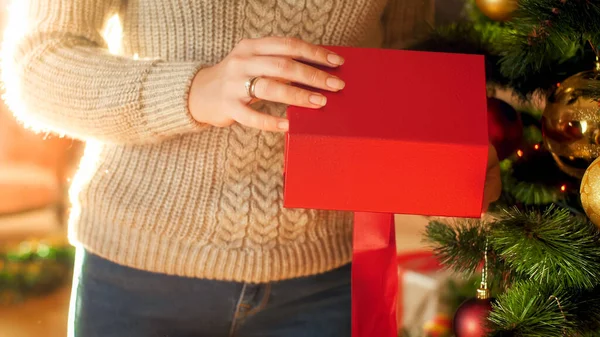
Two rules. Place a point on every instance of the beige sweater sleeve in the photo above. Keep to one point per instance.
(60, 77)
(405, 21)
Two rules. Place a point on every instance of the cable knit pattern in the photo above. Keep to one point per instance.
(266, 189)
(156, 190)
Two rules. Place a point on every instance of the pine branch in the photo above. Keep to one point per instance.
(460, 247)
(550, 247)
(587, 311)
(547, 35)
(535, 179)
(545, 43)
(533, 309)
(530, 193)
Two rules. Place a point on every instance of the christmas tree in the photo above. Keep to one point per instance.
(538, 249)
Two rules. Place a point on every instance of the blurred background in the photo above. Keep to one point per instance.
(35, 257)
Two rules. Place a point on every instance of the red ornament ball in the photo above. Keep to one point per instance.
(470, 320)
(505, 127)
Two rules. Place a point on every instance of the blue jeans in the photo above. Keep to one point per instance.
(116, 301)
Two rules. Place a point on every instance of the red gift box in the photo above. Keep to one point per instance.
(407, 135)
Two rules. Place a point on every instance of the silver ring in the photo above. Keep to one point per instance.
(251, 86)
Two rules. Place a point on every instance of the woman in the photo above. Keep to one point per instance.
(178, 203)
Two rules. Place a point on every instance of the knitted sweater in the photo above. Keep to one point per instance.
(156, 190)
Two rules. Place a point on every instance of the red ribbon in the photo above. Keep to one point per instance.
(374, 276)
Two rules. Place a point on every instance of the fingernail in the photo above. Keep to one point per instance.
(335, 83)
(283, 125)
(335, 59)
(317, 99)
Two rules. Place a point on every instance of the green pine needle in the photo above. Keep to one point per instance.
(460, 247)
(587, 311)
(550, 247)
(544, 32)
(533, 310)
(529, 193)
(546, 42)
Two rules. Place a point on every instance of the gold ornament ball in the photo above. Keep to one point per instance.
(590, 192)
(571, 123)
(497, 10)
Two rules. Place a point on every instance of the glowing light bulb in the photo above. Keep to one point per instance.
(520, 153)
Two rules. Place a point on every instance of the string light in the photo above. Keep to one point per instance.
(536, 146)
(520, 153)
(563, 188)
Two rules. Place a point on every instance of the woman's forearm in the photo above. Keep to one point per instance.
(60, 77)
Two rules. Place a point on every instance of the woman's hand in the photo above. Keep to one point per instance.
(219, 97)
(493, 183)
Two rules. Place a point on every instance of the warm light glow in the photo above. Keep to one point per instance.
(536, 146)
(520, 153)
(87, 168)
(16, 28)
(77, 267)
(563, 188)
(113, 34)
(472, 326)
(584, 126)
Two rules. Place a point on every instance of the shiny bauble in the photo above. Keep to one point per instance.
(571, 123)
(590, 192)
(505, 127)
(470, 319)
(497, 10)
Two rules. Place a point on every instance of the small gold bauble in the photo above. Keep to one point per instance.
(497, 10)
(571, 123)
(590, 192)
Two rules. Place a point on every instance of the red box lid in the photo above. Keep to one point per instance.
(408, 134)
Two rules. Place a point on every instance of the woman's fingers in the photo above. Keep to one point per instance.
(254, 119)
(261, 69)
(275, 91)
(275, 60)
(290, 70)
(293, 48)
